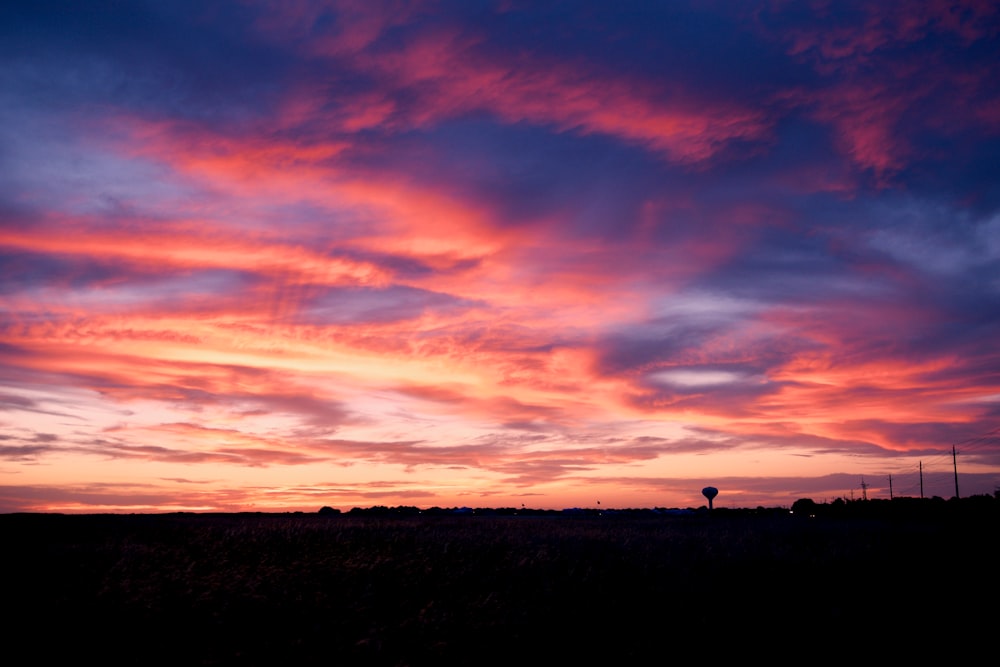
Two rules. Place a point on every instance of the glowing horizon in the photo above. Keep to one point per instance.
(278, 256)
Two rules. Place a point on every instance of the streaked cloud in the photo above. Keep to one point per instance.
(285, 255)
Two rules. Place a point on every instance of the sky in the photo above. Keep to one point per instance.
(277, 255)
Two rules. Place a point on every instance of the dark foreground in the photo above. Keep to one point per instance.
(292, 589)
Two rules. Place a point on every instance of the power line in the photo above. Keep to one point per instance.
(928, 477)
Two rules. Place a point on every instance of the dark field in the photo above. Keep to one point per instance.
(305, 589)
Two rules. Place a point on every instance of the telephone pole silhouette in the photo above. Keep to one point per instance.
(864, 489)
(954, 462)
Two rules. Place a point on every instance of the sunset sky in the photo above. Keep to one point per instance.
(280, 254)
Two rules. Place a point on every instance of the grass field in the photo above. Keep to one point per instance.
(247, 589)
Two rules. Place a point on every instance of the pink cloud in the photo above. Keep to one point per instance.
(873, 87)
(884, 25)
(448, 71)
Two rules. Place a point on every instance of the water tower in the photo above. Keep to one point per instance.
(710, 492)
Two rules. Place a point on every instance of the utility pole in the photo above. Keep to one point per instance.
(890, 487)
(921, 480)
(954, 462)
(864, 489)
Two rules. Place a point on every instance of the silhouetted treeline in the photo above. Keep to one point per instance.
(902, 507)
(977, 506)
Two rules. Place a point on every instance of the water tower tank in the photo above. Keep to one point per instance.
(710, 492)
